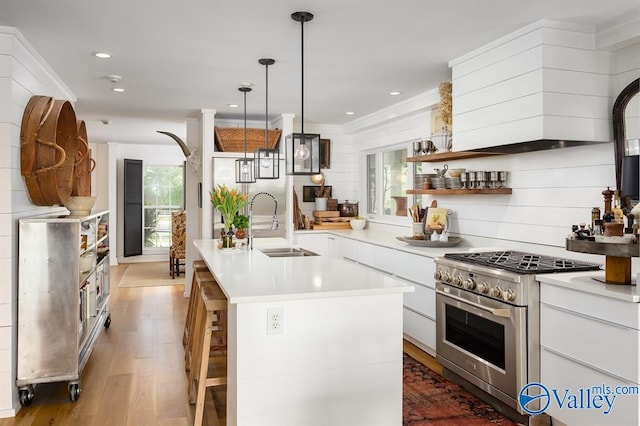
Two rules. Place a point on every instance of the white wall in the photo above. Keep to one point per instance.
(340, 175)
(551, 189)
(23, 74)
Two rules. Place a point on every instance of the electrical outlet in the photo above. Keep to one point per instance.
(275, 321)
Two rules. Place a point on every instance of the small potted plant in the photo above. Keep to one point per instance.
(241, 223)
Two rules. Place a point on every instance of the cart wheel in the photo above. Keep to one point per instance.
(26, 396)
(74, 391)
(107, 322)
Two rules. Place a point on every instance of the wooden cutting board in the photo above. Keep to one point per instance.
(331, 225)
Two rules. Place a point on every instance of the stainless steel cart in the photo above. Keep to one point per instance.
(63, 298)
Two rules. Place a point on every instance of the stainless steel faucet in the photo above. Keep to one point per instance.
(274, 223)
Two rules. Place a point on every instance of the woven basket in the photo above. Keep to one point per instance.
(231, 139)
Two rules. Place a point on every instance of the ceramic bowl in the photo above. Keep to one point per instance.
(455, 172)
(358, 223)
(86, 261)
(80, 206)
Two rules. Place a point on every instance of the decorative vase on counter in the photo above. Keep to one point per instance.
(321, 204)
(442, 140)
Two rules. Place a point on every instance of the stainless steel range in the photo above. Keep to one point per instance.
(488, 316)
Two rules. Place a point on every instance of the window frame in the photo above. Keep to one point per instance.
(171, 208)
(376, 215)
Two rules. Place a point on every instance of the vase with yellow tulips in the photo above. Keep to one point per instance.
(228, 202)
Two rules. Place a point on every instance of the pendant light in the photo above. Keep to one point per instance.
(267, 160)
(245, 166)
(302, 149)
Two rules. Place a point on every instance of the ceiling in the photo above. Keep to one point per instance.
(177, 57)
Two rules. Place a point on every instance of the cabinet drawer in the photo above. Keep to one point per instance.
(612, 310)
(420, 328)
(419, 269)
(604, 345)
(348, 249)
(422, 300)
(559, 372)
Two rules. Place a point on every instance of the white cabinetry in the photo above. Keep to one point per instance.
(63, 303)
(587, 342)
(317, 243)
(419, 314)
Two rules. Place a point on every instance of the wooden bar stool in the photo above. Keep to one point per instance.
(198, 266)
(199, 278)
(206, 370)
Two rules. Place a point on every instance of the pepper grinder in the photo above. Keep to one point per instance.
(608, 196)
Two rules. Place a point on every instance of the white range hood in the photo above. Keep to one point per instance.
(541, 87)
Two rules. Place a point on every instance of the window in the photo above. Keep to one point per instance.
(163, 194)
(387, 176)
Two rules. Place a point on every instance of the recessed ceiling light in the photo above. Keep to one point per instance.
(118, 89)
(233, 105)
(395, 93)
(350, 113)
(102, 55)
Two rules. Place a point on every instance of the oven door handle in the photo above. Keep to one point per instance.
(498, 312)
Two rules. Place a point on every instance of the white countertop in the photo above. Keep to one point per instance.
(585, 282)
(251, 276)
(468, 243)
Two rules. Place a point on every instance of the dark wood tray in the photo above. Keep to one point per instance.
(607, 249)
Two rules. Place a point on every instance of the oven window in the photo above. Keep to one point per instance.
(480, 336)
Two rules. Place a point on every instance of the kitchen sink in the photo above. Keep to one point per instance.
(288, 252)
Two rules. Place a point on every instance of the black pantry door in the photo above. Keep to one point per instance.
(132, 208)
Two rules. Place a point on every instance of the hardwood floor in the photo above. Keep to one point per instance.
(135, 375)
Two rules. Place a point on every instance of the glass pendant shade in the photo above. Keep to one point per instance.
(245, 167)
(303, 154)
(267, 163)
(245, 170)
(267, 160)
(302, 149)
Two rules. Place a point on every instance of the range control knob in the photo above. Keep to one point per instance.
(457, 280)
(509, 295)
(483, 287)
(437, 275)
(446, 277)
(469, 284)
(496, 292)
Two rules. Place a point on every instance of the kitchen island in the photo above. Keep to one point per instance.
(334, 355)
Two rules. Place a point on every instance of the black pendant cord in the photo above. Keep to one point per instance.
(244, 90)
(245, 127)
(302, 17)
(302, 80)
(266, 108)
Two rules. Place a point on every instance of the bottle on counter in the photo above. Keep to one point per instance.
(597, 227)
(618, 215)
(595, 215)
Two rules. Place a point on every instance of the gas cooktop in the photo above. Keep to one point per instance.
(522, 263)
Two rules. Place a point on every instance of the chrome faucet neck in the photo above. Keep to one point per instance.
(274, 225)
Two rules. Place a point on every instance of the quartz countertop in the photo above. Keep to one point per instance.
(468, 243)
(591, 282)
(251, 276)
